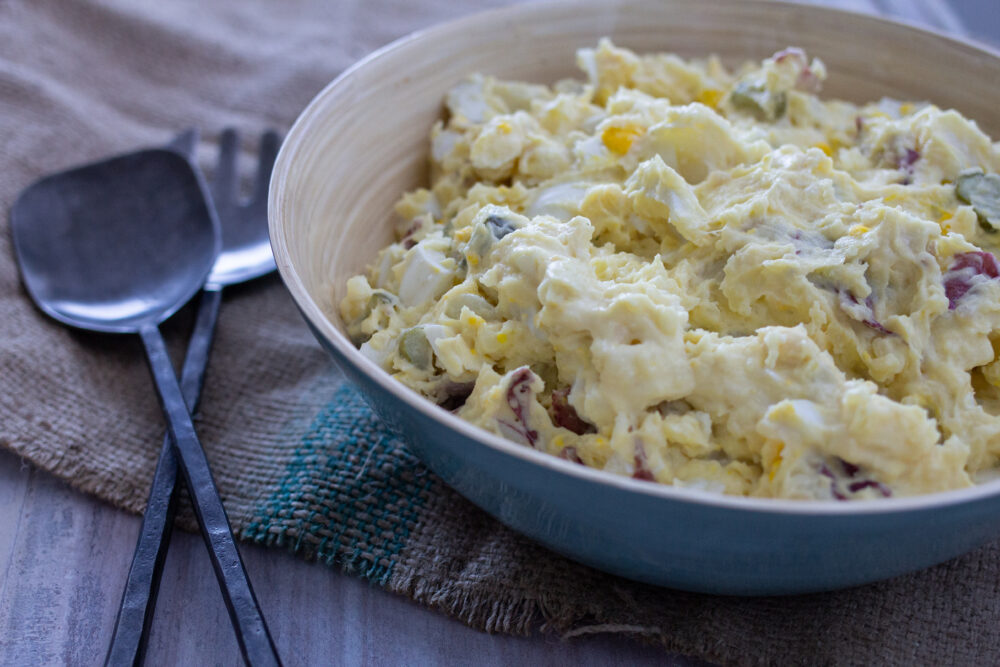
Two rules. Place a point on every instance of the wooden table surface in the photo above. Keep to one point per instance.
(64, 556)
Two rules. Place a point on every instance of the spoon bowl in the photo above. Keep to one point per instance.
(117, 244)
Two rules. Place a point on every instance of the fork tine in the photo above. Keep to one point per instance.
(226, 174)
(270, 141)
(185, 143)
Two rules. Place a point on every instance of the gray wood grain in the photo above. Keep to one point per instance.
(64, 559)
(64, 556)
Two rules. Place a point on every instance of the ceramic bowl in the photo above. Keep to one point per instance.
(364, 140)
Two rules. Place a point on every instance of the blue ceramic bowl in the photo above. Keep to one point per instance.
(363, 141)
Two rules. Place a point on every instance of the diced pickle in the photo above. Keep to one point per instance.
(378, 299)
(461, 264)
(759, 101)
(357, 336)
(499, 227)
(982, 192)
(780, 105)
(415, 348)
(473, 302)
(480, 243)
(484, 235)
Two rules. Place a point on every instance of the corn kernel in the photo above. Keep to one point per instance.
(945, 227)
(473, 259)
(504, 127)
(710, 97)
(825, 147)
(619, 139)
(502, 337)
(857, 230)
(777, 461)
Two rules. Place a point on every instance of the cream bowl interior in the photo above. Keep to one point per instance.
(364, 140)
(366, 136)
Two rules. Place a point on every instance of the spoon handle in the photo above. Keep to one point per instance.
(128, 640)
(244, 612)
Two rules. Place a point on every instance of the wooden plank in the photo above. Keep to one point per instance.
(13, 484)
(67, 564)
(65, 550)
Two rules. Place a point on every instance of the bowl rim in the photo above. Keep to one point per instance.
(323, 324)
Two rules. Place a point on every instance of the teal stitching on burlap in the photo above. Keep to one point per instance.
(341, 429)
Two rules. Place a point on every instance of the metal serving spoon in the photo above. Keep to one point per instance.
(246, 254)
(118, 246)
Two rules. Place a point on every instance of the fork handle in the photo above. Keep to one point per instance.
(244, 611)
(128, 640)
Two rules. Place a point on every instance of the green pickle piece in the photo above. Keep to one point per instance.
(473, 302)
(757, 100)
(486, 234)
(982, 192)
(379, 297)
(499, 226)
(415, 348)
(481, 241)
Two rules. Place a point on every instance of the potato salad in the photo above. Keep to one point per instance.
(704, 277)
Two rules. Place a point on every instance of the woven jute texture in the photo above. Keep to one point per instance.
(301, 462)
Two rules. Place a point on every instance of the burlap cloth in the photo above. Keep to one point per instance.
(300, 461)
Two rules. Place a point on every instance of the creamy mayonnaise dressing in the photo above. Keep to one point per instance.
(704, 278)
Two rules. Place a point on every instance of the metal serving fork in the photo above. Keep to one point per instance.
(246, 254)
